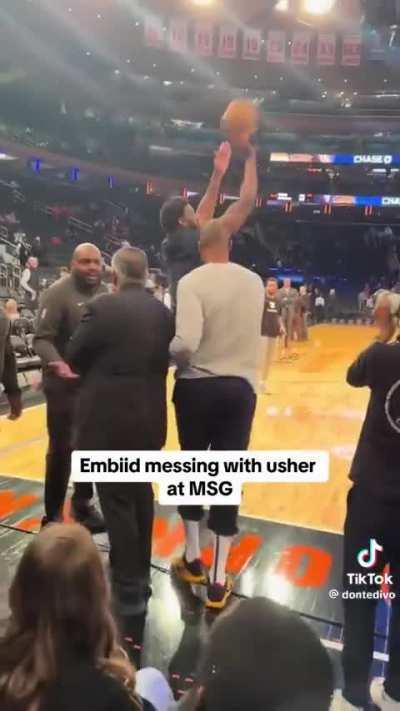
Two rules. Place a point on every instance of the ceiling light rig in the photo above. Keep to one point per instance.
(306, 7)
(318, 7)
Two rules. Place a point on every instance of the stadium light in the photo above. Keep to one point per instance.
(282, 6)
(203, 3)
(318, 7)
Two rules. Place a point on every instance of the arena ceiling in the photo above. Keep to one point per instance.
(91, 54)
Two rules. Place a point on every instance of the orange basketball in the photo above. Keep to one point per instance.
(240, 120)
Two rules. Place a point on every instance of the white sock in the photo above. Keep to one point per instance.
(222, 546)
(192, 548)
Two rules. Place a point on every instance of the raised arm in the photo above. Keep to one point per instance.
(206, 209)
(236, 215)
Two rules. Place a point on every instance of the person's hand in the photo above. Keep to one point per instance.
(15, 401)
(222, 158)
(62, 370)
(251, 152)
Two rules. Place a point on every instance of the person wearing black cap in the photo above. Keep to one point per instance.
(181, 224)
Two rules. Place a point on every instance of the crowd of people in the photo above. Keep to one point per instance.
(105, 356)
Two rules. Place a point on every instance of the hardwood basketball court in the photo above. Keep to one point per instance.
(310, 407)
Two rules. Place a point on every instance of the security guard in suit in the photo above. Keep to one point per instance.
(61, 309)
(121, 352)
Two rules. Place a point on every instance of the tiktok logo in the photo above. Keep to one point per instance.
(368, 557)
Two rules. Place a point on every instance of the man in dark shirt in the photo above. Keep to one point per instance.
(372, 526)
(61, 310)
(181, 224)
(121, 351)
(271, 328)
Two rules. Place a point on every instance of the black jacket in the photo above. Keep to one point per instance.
(8, 365)
(376, 464)
(180, 255)
(120, 350)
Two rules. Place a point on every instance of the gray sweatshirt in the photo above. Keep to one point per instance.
(61, 309)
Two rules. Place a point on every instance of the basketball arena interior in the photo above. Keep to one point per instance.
(200, 251)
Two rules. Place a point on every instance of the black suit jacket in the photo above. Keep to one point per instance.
(120, 350)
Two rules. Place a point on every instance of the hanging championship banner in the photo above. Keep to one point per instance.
(153, 31)
(351, 56)
(203, 38)
(276, 47)
(301, 48)
(251, 43)
(326, 50)
(227, 48)
(178, 35)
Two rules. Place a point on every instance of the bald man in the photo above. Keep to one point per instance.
(217, 350)
(60, 313)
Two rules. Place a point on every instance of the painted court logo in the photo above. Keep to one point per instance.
(392, 406)
(368, 557)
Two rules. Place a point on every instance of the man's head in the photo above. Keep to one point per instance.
(214, 244)
(287, 283)
(262, 656)
(33, 263)
(271, 286)
(87, 265)
(303, 290)
(175, 213)
(130, 267)
(387, 314)
(11, 308)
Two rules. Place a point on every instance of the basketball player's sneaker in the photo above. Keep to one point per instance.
(380, 698)
(218, 595)
(192, 573)
(339, 703)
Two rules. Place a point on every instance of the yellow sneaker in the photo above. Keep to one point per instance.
(192, 572)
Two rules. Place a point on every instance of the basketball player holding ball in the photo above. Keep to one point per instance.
(180, 222)
(216, 349)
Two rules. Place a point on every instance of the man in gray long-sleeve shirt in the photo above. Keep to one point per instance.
(216, 348)
(60, 313)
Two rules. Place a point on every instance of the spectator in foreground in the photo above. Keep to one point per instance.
(61, 649)
(262, 657)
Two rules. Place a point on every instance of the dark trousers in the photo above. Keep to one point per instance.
(214, 413)
(128, 511)
(61, 398)
(369, 518)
